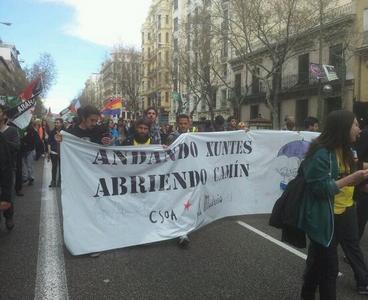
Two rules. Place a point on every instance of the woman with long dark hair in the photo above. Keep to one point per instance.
(327, 212)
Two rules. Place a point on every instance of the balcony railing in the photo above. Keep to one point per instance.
(297, 80)
(339, 11)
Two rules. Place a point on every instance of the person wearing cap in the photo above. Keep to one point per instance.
(141, 134)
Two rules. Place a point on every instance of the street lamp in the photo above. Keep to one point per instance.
(6, 23)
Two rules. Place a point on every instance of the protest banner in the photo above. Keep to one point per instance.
(22, 113)
(114, 197)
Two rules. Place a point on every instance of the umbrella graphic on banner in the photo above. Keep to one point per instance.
(294, 150)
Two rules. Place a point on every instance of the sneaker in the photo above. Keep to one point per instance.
(9, 223)
(96, 254)
(183, 241)
(363, 290)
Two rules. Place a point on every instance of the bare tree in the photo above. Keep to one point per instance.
(263, 34)
(199, 67)
(127, 60)
(44, 67)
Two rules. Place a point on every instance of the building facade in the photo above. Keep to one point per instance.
(201, 81)
(12, 77)
(93, 90)
(156, 79)
(341, 41)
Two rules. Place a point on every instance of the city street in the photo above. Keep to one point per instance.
(224, 260)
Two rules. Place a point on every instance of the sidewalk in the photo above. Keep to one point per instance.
(19, 248)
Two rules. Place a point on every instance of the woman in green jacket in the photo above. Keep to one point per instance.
(327, 213)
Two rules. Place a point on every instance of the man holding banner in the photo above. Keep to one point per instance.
(88, 129)
(183, 123)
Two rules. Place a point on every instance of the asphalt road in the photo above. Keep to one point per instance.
(224, 261)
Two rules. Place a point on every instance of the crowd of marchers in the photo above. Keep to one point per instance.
(333, 209)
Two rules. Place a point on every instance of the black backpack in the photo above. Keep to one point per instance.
(285, 212)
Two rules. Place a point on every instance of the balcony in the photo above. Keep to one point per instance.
(297, 81)
(338, 12)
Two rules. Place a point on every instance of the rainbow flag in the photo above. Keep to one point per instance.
(112, 107)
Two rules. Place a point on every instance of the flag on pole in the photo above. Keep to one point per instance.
(316, 71)
(32, 90)
(330, 72)
(74, 105)
(112, 107)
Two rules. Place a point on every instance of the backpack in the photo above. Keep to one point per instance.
(285, 212)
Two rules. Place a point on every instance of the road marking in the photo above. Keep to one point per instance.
(51, 280)
(273, 240)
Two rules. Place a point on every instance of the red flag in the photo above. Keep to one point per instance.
(32, 90)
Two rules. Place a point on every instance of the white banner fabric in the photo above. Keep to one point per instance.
(114, 197)
(24, 113)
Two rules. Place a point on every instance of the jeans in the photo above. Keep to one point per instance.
(28, 161)
(55, 170)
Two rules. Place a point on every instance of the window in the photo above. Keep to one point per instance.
(176, 45)
(167, 57)
(224, 49)
(166, 97)
(255, 81)
(203, 104)
(159, 21)
(175, 4)
(149, 36)
(214, 98)
(301, 113)
(159, 59)
(176, 24)
(365, 20)
(167, 19)
(254, 111)
(237, 87)
(167, 38)
(303, 69)
(336, 59)
(223, 97)
(142, 37)
(159, 38)
(225, 73)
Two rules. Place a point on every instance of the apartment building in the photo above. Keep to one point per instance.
(93, 90)
(12, 77)
(201, 78)
(341, 41)
(156, 79)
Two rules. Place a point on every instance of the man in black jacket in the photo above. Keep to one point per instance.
(53, 153)
(141, 134)
(11, 136)
(5, 171)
